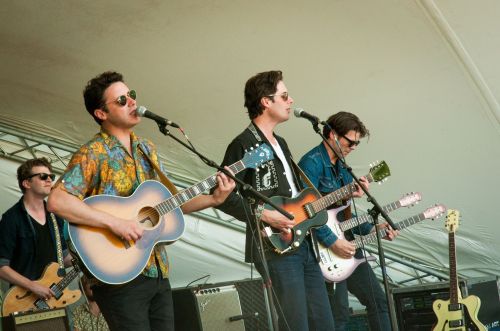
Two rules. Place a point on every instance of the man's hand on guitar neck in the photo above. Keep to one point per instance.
(277, 220)
(359, 192)
(343, 248)
(225, 186)
(390, 234)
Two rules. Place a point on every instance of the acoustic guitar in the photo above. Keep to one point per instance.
(113, 260)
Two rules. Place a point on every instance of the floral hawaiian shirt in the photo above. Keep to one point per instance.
(104, 166)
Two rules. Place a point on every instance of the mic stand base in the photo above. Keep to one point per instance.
(374, 214)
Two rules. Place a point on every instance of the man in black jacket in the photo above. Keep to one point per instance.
(298, 284)
(28, 231)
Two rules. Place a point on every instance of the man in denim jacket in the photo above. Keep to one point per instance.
(327, 175)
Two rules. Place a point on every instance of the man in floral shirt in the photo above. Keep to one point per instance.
(112, 163)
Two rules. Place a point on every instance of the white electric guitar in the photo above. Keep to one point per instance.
(337, 269)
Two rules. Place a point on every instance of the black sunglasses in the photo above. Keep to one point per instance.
(283, 96)
(122, 99)
(43, 176)
(352, 142)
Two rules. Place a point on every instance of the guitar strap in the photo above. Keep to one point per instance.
(163, 179)
(58, 242)
(348, 211)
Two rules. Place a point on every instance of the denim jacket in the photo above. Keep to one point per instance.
(321, 172)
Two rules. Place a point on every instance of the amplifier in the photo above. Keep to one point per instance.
(214, 308)
(487, 289)
(237, 305)
(51, 319)
(413, 304)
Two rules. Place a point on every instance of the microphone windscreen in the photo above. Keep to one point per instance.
(141, 111)
(298, 112)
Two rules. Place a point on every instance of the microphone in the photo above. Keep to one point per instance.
(299, 112)
(144, 112)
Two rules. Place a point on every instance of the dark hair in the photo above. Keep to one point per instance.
(343, 122)
(24, 170)
(93, 93)
(261, 85)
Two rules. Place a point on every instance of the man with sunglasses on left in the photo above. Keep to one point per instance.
(28, 231)
(115, 162)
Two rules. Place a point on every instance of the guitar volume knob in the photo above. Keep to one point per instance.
(299, 232)
(296, 244)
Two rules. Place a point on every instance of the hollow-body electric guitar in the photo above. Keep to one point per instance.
(308, 209)
(19, 299)
(114, 260)
(456, 314)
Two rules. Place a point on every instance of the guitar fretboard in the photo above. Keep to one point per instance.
(189, 193)
(453, 269)
(340, 194)
(372, 237)
(59, 287)
(353, 222)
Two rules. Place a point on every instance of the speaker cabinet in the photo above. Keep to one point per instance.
(487, 289)
(53, 320)
(253, 304)
(232, 306)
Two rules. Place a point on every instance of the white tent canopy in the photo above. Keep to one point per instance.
(422, 75)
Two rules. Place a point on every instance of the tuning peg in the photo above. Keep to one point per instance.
(257, 145)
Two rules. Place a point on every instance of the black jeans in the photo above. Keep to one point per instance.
(142, 304)
(363, 284)
(302, 300)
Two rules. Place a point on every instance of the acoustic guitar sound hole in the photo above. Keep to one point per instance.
(148, 217)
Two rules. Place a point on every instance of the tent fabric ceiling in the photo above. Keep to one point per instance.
(422, 75)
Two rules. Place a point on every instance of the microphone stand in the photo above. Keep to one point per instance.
(249, 189)
(377, 210)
